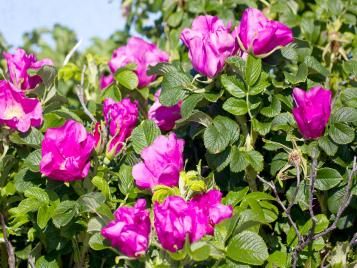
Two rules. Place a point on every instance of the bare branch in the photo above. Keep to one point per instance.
(345, 202)
(9, 247)
(80, 95)
(292, 223)
(353, 240)
(293, 199)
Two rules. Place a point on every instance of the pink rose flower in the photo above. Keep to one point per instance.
(173, 222)
(143, 54)
(66, 152)
(164, 116)
(19, 64)
(16, 110)
(162, 163)
(312, 111)
(105, 81)
(175, 219)
(121, 117)
(261, 36)
(210, 43)
(209, 211)
(130, 230)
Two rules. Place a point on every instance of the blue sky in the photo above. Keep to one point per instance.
(87, 18)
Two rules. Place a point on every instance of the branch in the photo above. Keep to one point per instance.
(345, 202)
(292, 223)
(296, 189)
(9, 247)
(80, 95)
(353, 240)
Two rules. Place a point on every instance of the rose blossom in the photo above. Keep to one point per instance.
(130, 229)
(162, 163)
(16, 110)
(141, 53)
(19, 64)
(66, 152)
(176, 219)
(121, 117)
(210, 43)
(261, 36)
(312, 111)
(164, 116)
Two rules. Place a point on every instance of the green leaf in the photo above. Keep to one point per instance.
(259, 86)
(175, 18)
(237, 63)
(173, 87)
(252, 70)
(238, 160)
(126, 179)
(90, 202)
(349, 97)
(345, 115)
(127, 79)
(299, 77)
(256, 160)
(144, 134)
(48, 75)
(112, 92)
(200, 251)
(220, 133)
(32, 161)
(282, 121)
(197, 117)
(44, 214)
(97, 242)
(328, 146)
(37, 193)
(336, 196)
(102, 185)
(235, 106)
(314, 64)
(273, 109)
(32, 138)
(234, 85)
(189, 104)
(327, 178)
(341, 133)
(248, 247)
(350, 67)
(289, 53)
(262, 128)
(46, 262)
(64, 213)
(219, 161)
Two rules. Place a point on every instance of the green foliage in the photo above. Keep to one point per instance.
(238, 126)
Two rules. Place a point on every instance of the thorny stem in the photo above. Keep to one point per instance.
(9, 247)
(292, 223)
(80, 95)
(345, 202)
(303, 241)
(296, 189)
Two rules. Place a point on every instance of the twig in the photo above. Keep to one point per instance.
(292, 223)
(80, 94)
(70, 54)
(9, 247)
(353, 240)
(303, 241)
(296, 189)
(345, 202)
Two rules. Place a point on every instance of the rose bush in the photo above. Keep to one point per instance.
(227, 140)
